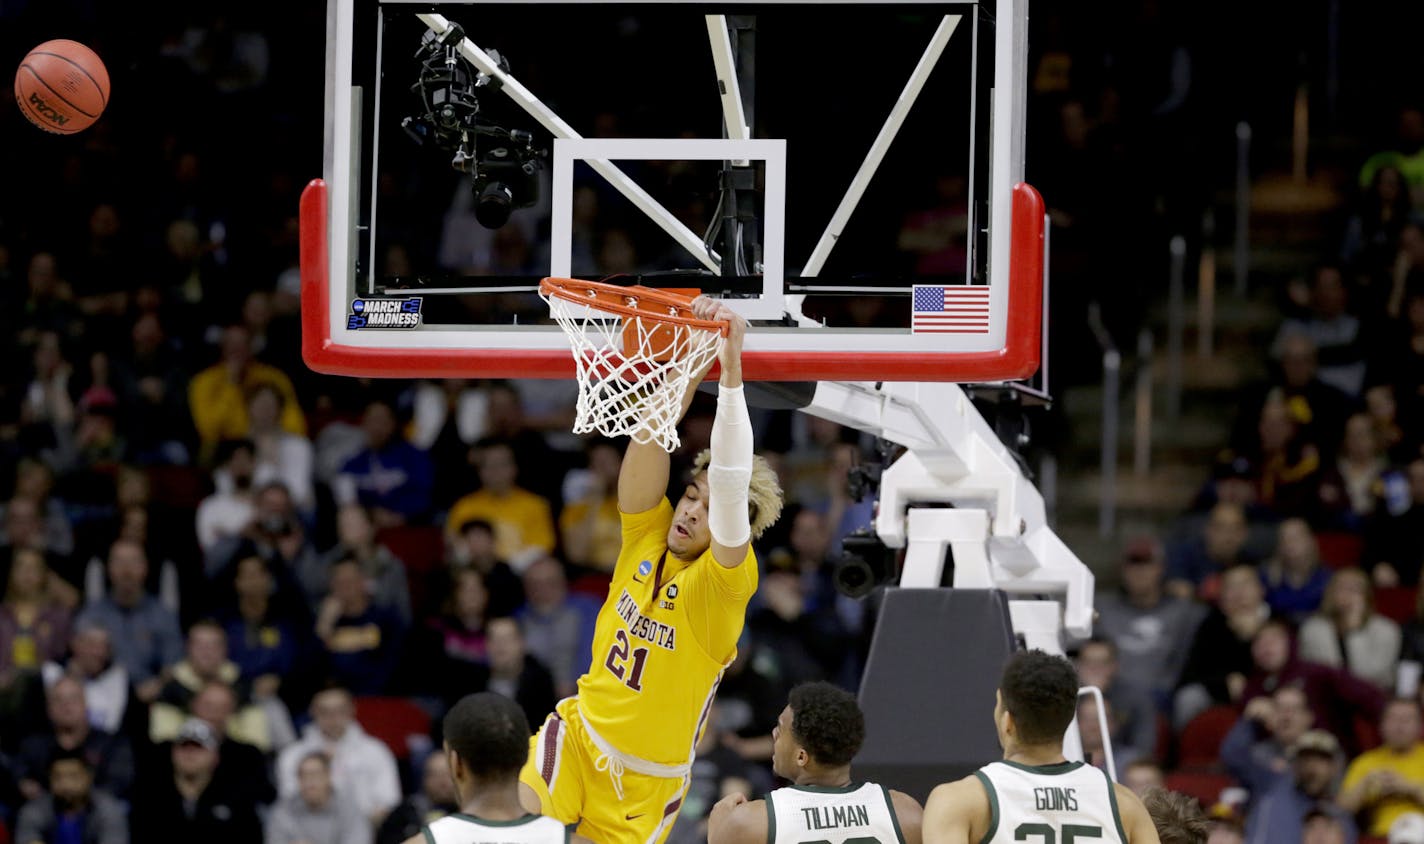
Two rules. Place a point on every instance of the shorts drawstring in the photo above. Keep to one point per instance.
(614, 766)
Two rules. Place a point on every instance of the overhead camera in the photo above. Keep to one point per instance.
(865, 563)
(503, 164)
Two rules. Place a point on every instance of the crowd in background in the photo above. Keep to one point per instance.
(255, 589)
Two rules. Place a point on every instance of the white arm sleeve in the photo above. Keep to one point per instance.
(729, 472)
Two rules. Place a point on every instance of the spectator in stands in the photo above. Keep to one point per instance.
(226, 513)
(205, 662)
(362, 768)
(435, 799)
(1382, 407)
(1195, 566)
(1285, 461)
(1319, 408)
(317, 814)
(238, 759)
(153, 390)
(1333, 332)
(34, 482)
(509, 422)
(812, 644)
(217, 396)
(523, 525)
(263, 640)
(448, 417)
(1350, 487)
(1408, 828)
(1257, 750)
(362, 639)
(356, 540)
(193, 803)
(557, 624)
(1280, 813)
(1133, 725)
(275, 533)
(1384, 783)
(144, 634)
(1401, 357)
(1394, 543)
(1336, 698)
(109, 757)
(1143, 775)
(73, 810)
(1321, 827)
(390, 477)
(589, 526)
(106, 682)
(515, 673)
(34, 628)
(279, 454)
(1095, 750)
(1372, 233)
(47, 411)
(1295, 582)
(1347, 632)
(473, 546)
(1220, 654)
(449, 653)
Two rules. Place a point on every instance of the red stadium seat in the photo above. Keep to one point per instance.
(422, 549)
(1201, 739)
(1339, 550)
(393, 720)
(1205, 786)
(595, 585)
(1396, 602)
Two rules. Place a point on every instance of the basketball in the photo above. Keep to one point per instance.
(62, 87)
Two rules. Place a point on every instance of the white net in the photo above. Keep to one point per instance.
(632, 372)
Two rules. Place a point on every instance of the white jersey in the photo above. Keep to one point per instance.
(461, 828)
(852, 814)
(1050, 804)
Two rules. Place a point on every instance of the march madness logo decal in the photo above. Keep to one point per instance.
(384, 313)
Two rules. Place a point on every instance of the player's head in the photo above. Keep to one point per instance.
(1038, 696)
(486, 743)
(689, 536)
(819, 731)
(1177, 817)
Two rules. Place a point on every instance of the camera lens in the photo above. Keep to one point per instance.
(853, 577)
(494, 204)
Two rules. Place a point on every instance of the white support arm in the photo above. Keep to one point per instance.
(556, 125)
(733, 111)
(998, 528)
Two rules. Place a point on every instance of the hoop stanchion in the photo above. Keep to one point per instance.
(637, 351)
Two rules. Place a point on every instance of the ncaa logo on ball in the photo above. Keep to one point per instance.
(402, 314)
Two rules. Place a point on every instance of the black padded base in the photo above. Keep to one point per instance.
(928, 688)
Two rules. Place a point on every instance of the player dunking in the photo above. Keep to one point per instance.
(817, 735)
(1035, 794)
(616, 757)
(486, 742)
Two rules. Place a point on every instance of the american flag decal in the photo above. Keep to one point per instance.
(958, 309)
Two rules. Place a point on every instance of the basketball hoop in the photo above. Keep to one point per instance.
(636, 351)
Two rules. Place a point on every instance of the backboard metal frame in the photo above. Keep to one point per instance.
(1009, 351)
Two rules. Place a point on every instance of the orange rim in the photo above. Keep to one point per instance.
(630, 302)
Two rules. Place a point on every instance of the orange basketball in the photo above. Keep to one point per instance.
(62, 87)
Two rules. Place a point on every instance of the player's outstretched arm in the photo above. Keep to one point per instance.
(957, 813)
(909, 815)
(729, 471)
(735, 820)
(643, 479)
(1136, 822)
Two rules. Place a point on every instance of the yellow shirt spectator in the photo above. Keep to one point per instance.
(217, 396)
(523, 525)
(1387, 782)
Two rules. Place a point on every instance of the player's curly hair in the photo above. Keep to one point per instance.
(1041, 691)
(764, 497)
(827, 721)
(490, 734)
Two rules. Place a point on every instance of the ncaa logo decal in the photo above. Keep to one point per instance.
(645, 568)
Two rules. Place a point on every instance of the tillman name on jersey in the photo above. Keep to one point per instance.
(662, 635)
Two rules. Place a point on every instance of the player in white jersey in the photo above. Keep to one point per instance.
(487, 743)
(1035, 795)
(815, 738)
